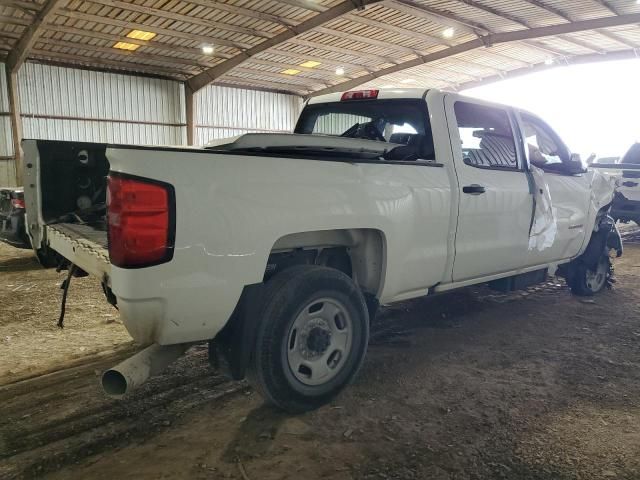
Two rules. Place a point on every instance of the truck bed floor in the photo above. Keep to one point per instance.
(78, 231)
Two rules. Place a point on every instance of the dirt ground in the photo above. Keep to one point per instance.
(468, 385)
(30, 341)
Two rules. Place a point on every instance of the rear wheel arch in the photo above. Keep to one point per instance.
(365, 249)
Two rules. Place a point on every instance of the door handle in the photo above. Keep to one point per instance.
(474, 189)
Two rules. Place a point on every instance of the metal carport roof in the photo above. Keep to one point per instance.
(448, 44)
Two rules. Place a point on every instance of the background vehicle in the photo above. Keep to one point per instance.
(605, 160)
(626, 204)
(277, 248)
(12, 226)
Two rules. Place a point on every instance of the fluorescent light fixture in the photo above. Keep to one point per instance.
(207, 49)
(339, 71)
(141, 35)
(408, 80)
(290, 71)
(448, 32)
(548, 61)
(126, 46)
(310, 64)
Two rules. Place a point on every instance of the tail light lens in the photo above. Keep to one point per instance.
(141, 221)
(17, 203)
(360, 95)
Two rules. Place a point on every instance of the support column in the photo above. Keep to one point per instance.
(16, 123)
(190, 114)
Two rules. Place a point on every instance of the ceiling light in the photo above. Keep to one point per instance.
(207, 49)
(290, 71)
(126, 46)
(141, 35)
(408, 80)
(339, 71)
(548, 61)
(310, 64)
(448, 32)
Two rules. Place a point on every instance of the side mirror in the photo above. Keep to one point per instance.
(575, 165)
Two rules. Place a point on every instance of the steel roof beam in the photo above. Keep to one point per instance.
(212, 74)
(488, 40)
(20, 51)
(519, 21)
(476, 28)
(559, 13)
(577, 60)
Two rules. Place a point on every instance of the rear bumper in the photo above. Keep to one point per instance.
(12, 231)
(625, 209)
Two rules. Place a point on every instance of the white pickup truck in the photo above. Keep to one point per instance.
(278, 248)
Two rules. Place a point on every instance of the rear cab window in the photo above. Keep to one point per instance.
(395, 121)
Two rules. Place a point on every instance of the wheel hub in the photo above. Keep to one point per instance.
(318, 340)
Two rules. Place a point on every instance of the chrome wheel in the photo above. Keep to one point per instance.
(319, 341)
(595, 279)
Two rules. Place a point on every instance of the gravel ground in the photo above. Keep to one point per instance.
(466, 385)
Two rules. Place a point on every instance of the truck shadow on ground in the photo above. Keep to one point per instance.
(255, 433)
(19, 264)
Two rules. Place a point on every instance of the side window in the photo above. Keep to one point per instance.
(544, 150)
(486, 136)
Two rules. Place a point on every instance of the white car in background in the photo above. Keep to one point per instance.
(626, 203)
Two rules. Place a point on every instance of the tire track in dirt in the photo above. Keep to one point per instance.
(43, 428)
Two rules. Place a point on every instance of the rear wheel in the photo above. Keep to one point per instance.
(312, 337)
(586, 281)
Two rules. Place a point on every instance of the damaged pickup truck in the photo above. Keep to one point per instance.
(278, 248)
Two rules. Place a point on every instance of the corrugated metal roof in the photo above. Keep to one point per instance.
(365, 42)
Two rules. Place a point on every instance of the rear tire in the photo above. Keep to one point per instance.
(586, 282)
(311, 339)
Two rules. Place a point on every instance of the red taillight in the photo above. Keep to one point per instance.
(141, 221)
(360, 95)
(17, 203)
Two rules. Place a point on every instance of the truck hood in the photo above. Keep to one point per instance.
(294, 141)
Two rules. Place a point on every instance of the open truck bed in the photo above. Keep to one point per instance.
(67, 212)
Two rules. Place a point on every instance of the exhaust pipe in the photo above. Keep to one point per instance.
(135, 370)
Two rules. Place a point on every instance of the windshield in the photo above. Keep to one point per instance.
(383, 120)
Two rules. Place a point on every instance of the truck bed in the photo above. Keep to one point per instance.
(84, 245)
